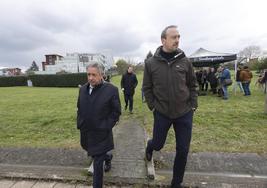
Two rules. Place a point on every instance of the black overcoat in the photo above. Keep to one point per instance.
(97, 114)
(129, 83)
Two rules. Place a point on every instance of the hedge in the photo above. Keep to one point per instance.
(55, 80)
(7, 81)
(58, 80)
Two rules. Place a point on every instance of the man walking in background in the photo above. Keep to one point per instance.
(128, 85)
(170, 91)
(98, 111)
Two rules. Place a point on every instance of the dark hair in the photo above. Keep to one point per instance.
(163, 33)
(245, 67)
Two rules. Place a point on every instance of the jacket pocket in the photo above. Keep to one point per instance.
(80, 122)
(103, 124)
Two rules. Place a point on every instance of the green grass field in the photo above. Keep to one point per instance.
(46, 117)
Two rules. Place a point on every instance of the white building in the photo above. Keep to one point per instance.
(77, 62)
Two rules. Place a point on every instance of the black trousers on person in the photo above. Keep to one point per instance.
(99, 169)
(128, 98)
(183, 130)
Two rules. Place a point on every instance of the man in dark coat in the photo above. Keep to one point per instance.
(213, 80)
(170, 86)
(128, 85)
(98, 111)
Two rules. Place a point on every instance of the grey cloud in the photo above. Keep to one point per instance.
(57, 23)
(40, 27)
(119, 40)
(22, 40)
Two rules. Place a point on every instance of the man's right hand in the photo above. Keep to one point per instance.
(122, 89)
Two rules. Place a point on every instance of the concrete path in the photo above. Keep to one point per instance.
(128, 162)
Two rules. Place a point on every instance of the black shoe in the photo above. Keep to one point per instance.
(177, 186)
(148, 155)
(131, 111)
(125, 108)
(107, 165)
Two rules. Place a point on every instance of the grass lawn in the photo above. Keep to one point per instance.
(46, 117)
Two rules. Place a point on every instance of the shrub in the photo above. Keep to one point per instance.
(59, 80)
(7, 81)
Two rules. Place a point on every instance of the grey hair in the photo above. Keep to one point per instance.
(163, 33)
(98, 66)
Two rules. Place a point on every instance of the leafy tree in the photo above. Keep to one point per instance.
(33, 67)
(263, 64)
(122, 66)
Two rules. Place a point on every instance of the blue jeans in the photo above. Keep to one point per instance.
(183, 131)
(246, 88)
(225, 92)
(238, 84)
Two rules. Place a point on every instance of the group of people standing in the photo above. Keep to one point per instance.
(220, 78)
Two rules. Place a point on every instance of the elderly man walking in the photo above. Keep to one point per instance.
(99, 110)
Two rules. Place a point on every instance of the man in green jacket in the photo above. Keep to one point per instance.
(169, 87)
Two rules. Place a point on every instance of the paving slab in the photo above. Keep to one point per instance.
(210, 162)
(24, 184)
(6, 183)
(44, 156)
(64, 185)
(193, 179)
(43, 184)
(128, 156)
(83, 186)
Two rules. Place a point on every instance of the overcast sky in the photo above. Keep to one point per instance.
(30, 29)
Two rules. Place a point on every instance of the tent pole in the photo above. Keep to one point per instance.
(235, 76)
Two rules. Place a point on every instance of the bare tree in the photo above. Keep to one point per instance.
(250, 52)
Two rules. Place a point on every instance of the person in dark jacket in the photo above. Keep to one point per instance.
(199, 79)
(212, 80)
(170, 89)
(128, 85)
(264, 80)
(225, 75)
(238, 81)
(204, 80)
(98, 111)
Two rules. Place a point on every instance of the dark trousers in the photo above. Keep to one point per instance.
(99, 169)
(213, 88)
(245, 86)
(204, 86)
(183, 130)
(128, 98)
